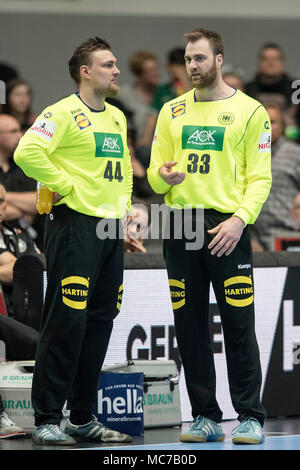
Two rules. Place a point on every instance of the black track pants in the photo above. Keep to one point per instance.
(85, 275)
(190, 273)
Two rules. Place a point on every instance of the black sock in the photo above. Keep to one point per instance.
(80, 417)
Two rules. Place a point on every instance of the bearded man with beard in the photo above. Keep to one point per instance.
(211, 150)
(77, 147)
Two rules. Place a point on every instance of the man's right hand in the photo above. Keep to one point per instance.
(171, 177)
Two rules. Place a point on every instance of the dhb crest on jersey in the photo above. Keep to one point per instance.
(226, 119)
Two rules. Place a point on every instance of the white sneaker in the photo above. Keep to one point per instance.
(8, 428)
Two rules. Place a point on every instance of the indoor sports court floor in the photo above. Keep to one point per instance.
(281, 434)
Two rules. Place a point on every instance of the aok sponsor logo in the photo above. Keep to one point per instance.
(75, 292)
(178, 110)
(82, 121)
(203, 137)
(108, 145)
(177, 291)
(239, 291)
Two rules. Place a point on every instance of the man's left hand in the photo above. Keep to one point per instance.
(227, 234)
(56, 197)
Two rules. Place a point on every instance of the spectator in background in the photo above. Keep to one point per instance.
(272, 84)
(234, 79)
(8, 72)
(179, 82)
(13, 244)
(19, 103)
(280, 211)
(21, 195)
(135, 227)
(138, 96)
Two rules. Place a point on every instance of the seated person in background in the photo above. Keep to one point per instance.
(179, 82)
(14, 242)
(279, 212)
(20, 190)
(20, 340)
(19, 103)
(20, 343)
(272, 85)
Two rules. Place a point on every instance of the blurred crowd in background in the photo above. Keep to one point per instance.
(141, 101)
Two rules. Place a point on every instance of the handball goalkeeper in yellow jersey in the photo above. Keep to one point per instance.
(77, 147)
(211, 149)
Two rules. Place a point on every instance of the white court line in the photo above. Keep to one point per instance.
(178, 444)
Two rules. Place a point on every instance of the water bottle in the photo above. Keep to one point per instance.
(44, 199)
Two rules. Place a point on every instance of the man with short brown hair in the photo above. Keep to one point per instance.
(211, 154)
(78, 148)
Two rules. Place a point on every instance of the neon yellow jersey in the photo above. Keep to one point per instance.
(81, 154)
(223, 146)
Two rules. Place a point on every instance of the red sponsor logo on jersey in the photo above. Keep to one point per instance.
(266, 146)
(42, 130)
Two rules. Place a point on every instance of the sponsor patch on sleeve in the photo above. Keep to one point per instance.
(43, 128)
(178, 110)
(155, 136)
(264, 144)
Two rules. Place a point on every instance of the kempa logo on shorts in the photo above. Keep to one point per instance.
(244, 266)
(203, 138)
(75, 297)
(108, 145)
(239, 291)
(177, 296)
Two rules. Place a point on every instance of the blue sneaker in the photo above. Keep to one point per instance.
(249, 431)
(95, 432)
(51, 435)
(203, 430)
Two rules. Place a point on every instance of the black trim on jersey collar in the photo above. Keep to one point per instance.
(211, 101)
(91, 109)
